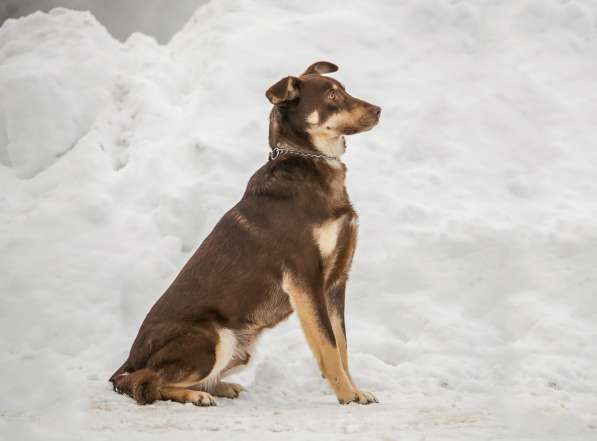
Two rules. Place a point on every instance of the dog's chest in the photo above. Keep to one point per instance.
(328, 235)
(337, 233)
(336, 241)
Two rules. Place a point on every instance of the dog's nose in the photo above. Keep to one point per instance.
(375, 110)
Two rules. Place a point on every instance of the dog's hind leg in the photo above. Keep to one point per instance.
(182, 395)
(194, 357)
(245, 342)
(142, 385)
(124, 369)
(221, 389)
(224, 389)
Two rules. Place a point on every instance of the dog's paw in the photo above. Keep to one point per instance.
(227, 390)
(366, 397)
(203, 399)
(359, 397)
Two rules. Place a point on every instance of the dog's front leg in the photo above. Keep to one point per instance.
(335, 298)
(311, 307)
(335, 303)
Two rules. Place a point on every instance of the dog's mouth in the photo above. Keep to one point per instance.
(364, 124)
(351, 130)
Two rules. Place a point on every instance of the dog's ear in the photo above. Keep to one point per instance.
(321, 67)
(283, 91)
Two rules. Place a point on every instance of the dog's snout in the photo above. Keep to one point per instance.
(369, 116)
(375, 111)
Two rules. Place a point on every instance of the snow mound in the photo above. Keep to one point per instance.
(471, 307)
(48, 100)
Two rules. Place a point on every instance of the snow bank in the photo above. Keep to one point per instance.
(48, 100)
(471, 308)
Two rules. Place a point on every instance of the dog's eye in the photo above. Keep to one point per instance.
(332, 95)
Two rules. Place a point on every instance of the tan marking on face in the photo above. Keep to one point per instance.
(313, 117)
(327, 355)
(344, 118)
(327, 136)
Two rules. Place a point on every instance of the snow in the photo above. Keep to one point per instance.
(471, 309)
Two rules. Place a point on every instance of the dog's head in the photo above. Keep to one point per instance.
(319, 108)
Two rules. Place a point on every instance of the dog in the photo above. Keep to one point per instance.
(287, 246)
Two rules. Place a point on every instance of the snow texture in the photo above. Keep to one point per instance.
(472, 307)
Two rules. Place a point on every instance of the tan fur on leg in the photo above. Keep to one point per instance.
(221, 389)
(227, 390)
(341, 343)
(181, 395)
(324, 349)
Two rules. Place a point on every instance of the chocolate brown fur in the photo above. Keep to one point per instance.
(287, 245)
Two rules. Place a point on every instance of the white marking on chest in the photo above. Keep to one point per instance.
(326, 236)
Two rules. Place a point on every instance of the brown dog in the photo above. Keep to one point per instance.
(286, 246)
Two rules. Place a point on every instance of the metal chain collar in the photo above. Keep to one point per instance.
(277, 151)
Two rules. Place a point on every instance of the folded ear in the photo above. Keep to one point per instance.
(283, 91)
(321, 67)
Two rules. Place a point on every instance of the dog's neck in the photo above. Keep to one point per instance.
(329, 146)
(281, 134)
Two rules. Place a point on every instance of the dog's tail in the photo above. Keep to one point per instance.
(142, 385)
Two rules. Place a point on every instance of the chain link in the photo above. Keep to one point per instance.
(277, 151)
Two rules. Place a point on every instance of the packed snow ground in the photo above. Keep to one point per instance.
(472, 308)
